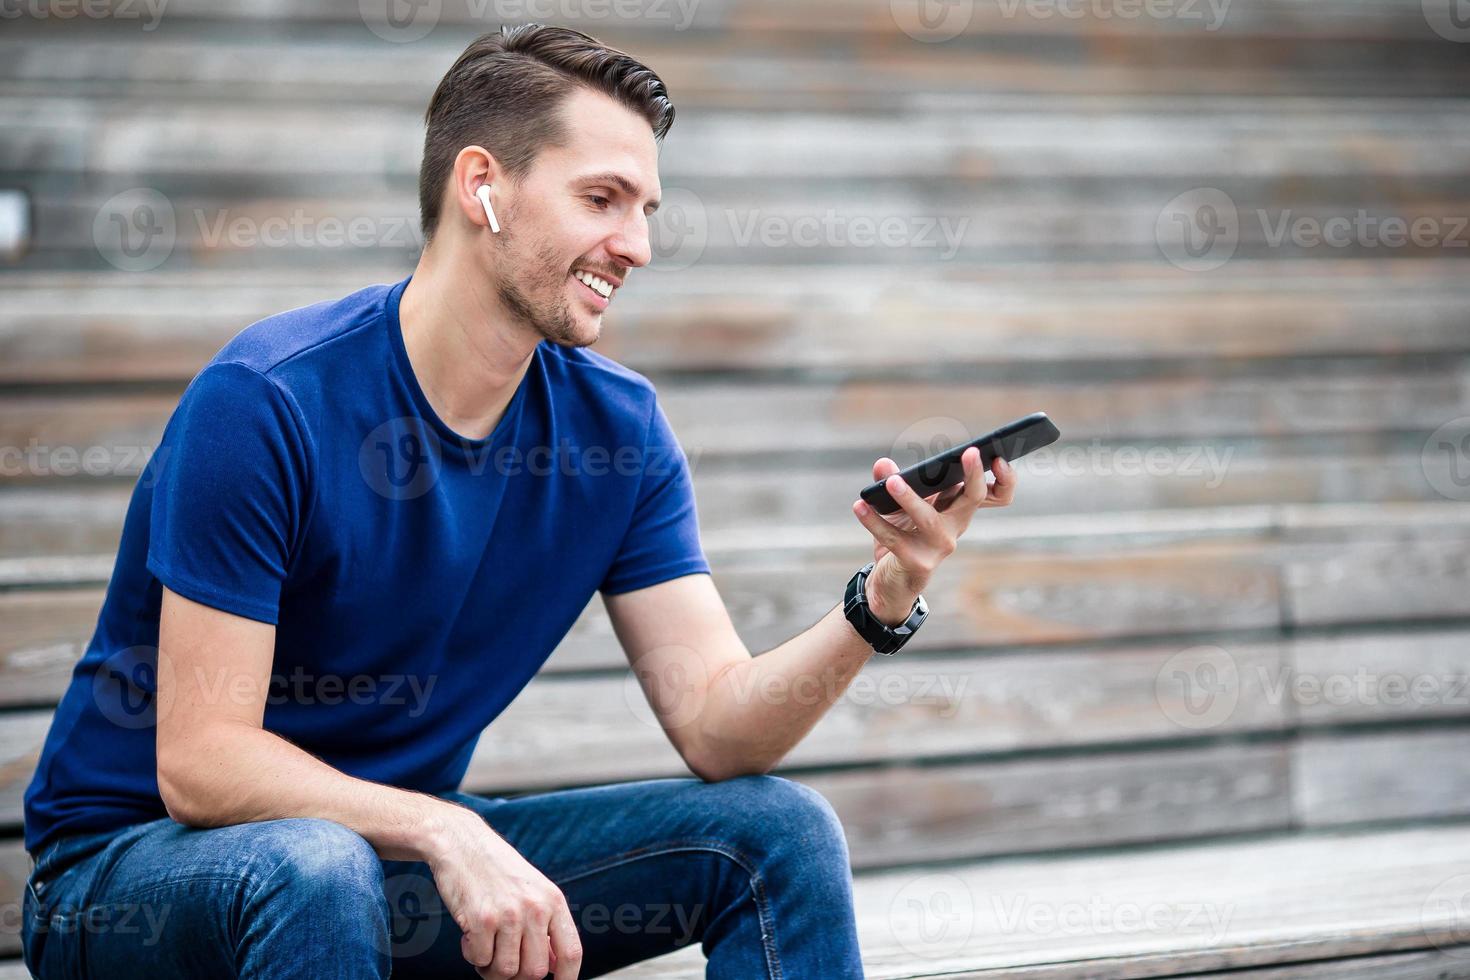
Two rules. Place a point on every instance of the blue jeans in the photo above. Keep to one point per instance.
(755, 869)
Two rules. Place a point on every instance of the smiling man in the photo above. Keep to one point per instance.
(369, 497)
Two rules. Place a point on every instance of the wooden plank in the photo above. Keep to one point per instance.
(1435, 964)
(1343, 779)
(1014, 581)
(101, 434)
(160, 326)
(1348, 678)
(1170, 912)
(21, 737)
(1242, 904)
(830, 20)
(567, 731)
(1213, 907)
(859, 221)
(225, 62)
(1000, 137)
(1376, 581)
(46, 633)
(1028, 580)
(1217, 581)
(908, 812)
(15, 868)
(85, 518)
(904, 813)
(861, 414)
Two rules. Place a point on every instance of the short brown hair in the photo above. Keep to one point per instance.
(504, 91)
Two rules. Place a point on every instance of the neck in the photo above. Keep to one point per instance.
(467, 353)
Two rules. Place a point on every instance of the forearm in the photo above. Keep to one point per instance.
(230, 774)
(759, 709)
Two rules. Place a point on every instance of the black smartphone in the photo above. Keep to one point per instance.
(1011, 441)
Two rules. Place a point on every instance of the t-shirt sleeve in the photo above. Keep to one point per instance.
(231, 493)
(662, 540)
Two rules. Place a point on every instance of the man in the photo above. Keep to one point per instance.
(347, 493)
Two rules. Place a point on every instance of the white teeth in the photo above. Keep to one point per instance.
(601, 285)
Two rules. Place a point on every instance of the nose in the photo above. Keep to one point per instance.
(630, 246)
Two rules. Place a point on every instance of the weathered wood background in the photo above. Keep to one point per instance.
(1233, 602)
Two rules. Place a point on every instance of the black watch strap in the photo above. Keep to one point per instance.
(883, 638)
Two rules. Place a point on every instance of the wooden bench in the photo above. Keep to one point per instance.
(1330, 905)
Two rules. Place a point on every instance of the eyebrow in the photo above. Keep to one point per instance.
(616, 180)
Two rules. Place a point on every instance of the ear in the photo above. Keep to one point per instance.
(474, 168)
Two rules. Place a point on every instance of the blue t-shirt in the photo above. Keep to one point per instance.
(417, 579)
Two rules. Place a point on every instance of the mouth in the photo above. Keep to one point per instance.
(591, 288)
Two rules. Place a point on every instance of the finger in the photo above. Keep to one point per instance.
(1005, 483)
(477, 946)
(920, 511)
(566, 945)
(535, 952)
(976, 489)
(884, 533)
(884, 468)
(507, 960)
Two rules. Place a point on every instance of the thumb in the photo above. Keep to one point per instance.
(884, 468)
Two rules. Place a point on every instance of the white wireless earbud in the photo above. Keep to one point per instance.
(483, 193)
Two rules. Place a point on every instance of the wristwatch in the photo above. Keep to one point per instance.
(884, 638)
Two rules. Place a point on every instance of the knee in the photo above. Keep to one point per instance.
(317, 859)
(786, 811)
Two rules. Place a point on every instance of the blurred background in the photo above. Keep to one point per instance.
(1223, 243)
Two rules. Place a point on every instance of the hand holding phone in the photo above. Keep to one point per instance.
(944, 470)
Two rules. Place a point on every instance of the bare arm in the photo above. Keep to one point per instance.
(726, 712)
(731, 714)
(217, 766)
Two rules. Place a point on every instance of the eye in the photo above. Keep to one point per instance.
(600, 202)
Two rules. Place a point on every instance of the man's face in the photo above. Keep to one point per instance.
(570, 215)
